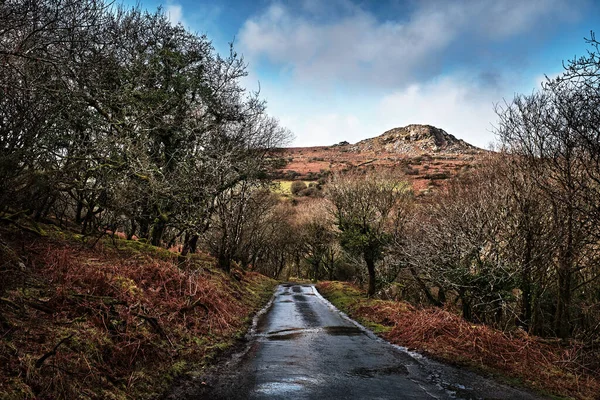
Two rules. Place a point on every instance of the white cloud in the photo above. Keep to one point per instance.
(174, 13)
(434, 65)
(455, 105)
(358, 48)
(330, 128)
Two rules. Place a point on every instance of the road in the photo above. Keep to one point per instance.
(304, 348)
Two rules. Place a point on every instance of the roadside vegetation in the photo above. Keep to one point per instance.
(128, 153)
(509, 248)
(116, 321)
(516, 357)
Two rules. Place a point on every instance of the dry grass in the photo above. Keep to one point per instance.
(564, 370)
(110, 323)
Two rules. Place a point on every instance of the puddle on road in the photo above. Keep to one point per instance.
(288, 386)
(371, 372)
(297, 289)
(288, 336)
(285, 330)
(308, 315)
(343, 330)
(300, 297)
(279, 388)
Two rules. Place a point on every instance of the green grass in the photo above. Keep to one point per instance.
(347, 298)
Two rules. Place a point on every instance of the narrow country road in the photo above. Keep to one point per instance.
(303, 348)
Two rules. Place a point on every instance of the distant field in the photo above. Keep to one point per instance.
(285, 187)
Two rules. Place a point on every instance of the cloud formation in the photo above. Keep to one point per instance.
(459, 106)
(352, 45)
(174, 13)
(456, 104)
(344, 70)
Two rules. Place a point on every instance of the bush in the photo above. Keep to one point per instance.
(309, 192)
(297, 187)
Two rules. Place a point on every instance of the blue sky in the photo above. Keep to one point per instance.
(348, 70)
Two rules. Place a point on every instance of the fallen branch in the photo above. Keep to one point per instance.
(195, 304)
(40, 307)
(11, 303)
(155, 325)
(42, 359)
(8, 220)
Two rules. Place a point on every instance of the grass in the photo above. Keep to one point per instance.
(119, 321)
(569, 371)
(350, 299)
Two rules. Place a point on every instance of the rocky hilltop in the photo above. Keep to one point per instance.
(426, 155)
(415, 139)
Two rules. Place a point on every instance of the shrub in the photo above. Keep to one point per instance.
(309, 192)
(297, 187)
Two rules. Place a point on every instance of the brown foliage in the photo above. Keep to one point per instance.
(566, 370)
(110, 321)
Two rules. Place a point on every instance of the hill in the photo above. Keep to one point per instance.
(415, 140)
(424, 153)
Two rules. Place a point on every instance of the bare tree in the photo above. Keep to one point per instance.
(364, 206)
(316, 235)
(555, 131)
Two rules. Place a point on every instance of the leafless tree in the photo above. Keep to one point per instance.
(555, 132)
(364, 206)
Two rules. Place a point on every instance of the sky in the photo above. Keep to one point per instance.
(347, 70)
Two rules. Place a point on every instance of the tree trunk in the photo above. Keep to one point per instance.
(424, 288)
(144, 228)
(78, 211)
(190, 244)
(526, 309)
(37, 216)
(537, 325)
(297, 265)
(224, 261)
(131, 232)
(87, 220)
(562, 317)
(565, 259)
(371, 269)
(441, 294)
(467, 312)
(157, 232)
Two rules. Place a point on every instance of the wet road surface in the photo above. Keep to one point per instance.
(303, 348)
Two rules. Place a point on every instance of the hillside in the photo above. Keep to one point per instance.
(424, 153)
(120, 320)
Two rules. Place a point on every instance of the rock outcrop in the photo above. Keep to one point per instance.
(415, 139)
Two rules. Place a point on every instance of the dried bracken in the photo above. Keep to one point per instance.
(116, 323)
(561, 369)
